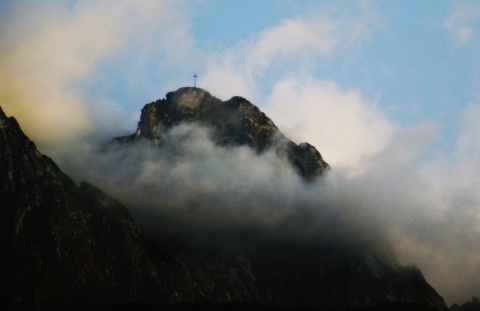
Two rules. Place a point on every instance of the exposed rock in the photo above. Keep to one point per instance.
(235, 122)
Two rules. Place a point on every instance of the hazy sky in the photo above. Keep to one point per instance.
(388, 91)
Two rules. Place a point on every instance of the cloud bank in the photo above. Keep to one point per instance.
(347, 128)
(192, 188)
(56, 60)
(75, 73)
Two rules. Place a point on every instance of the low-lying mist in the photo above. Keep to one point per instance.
(191, 189)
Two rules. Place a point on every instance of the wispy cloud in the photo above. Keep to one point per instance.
(461, 22)
(292, 46)
(52, 52)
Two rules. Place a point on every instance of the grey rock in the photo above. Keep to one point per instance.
(235, 122)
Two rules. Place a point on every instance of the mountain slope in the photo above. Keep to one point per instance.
(61, 246)
(69, 247)
(272, 270)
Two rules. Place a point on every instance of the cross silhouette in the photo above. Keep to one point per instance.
(195, 80)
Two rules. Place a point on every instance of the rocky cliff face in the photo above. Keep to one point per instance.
(62, 246)
(69, 247)
(235, 122)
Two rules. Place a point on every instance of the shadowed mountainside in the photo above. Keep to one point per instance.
(62, 245)
(69, 247)
(473, 305)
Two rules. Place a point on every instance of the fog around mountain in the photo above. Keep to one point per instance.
(76, 74)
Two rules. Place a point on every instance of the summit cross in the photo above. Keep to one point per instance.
(195, 80)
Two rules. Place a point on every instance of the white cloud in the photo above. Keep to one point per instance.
(224, 79)
(440, 226)
(459, 167)
(48, 50)
(294, 45)
(345, 127)
(301, 37)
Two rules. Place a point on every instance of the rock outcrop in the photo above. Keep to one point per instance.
(235, 122)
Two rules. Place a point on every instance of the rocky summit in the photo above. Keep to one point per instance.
(235, 122)
(69, 247)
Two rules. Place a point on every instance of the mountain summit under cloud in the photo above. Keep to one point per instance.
(224, 221)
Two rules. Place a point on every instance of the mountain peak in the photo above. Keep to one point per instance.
(235, 122)
(188, 97)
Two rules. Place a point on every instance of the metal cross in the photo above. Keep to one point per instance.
(195, 80)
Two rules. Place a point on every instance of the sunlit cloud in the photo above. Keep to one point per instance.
(347, 128)
(50, 51)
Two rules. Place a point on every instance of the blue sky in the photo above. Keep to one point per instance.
(388, 91)
(409, 60)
